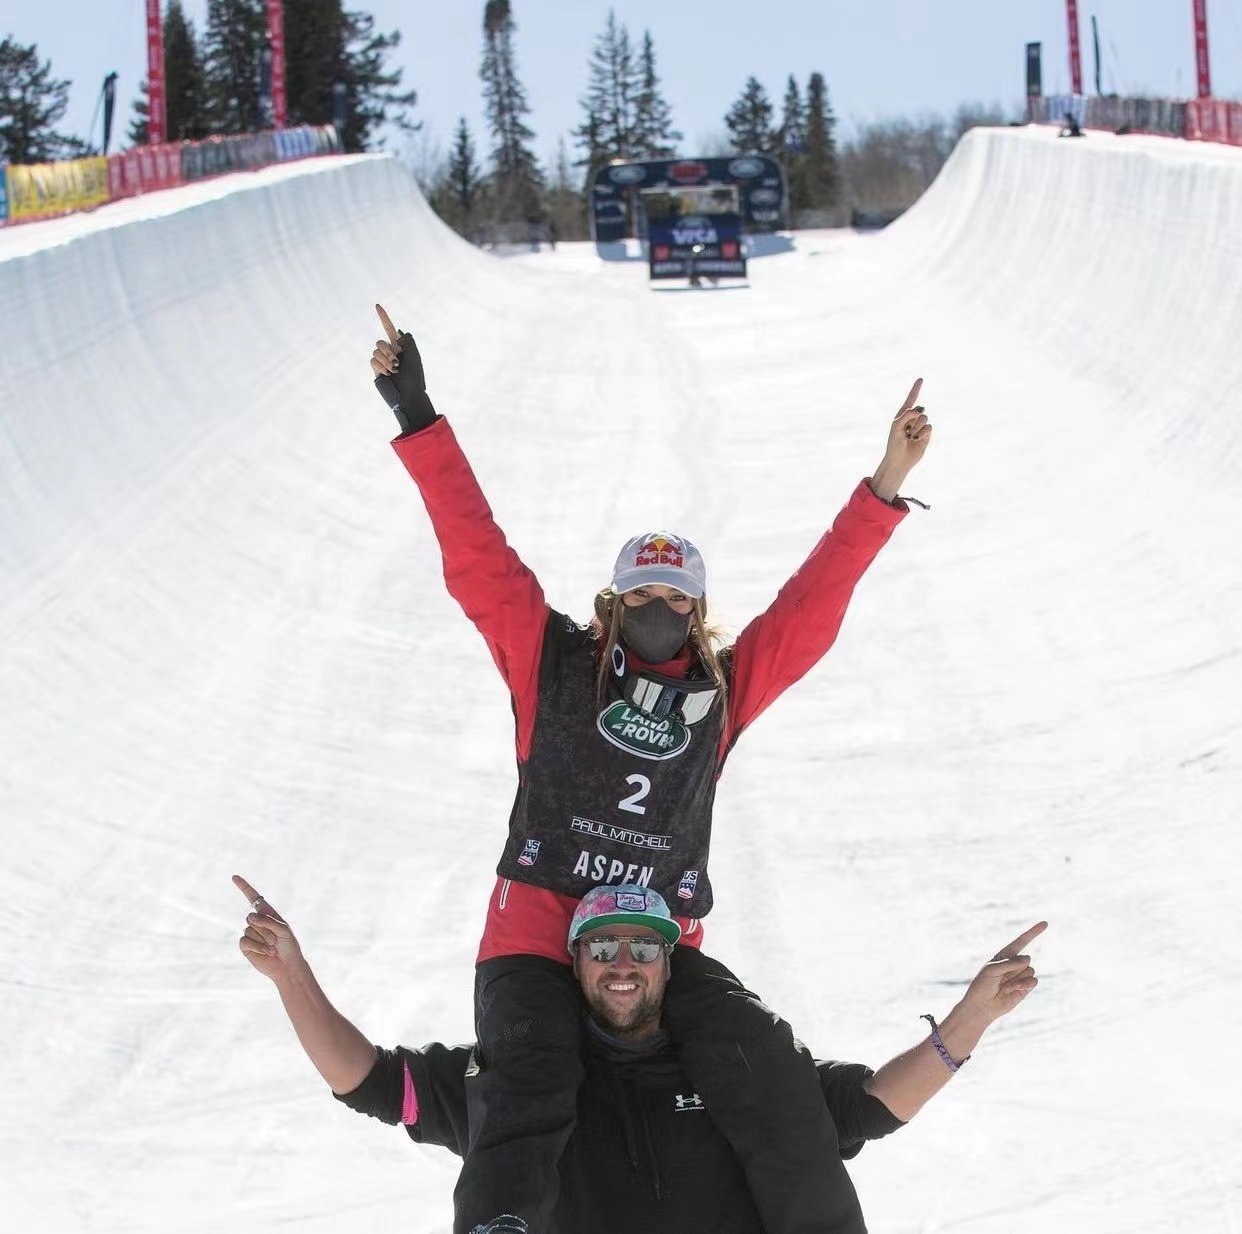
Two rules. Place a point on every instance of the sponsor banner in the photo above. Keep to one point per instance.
(144, 169)
(688, 171)
(56, 188)
(617, 834)
(304, 141)
(1202, 60)
(710, 232)
(155, 74)
(628, 173)
(616, 190)
(1075, 51)
(635, 731)
(685, 267)
(720, 267)
(116, 177)
(1166, 117)
(748, 167)
(217, 156)
(1034, 70)
(696, 244)
(1214, 120)
(276, 40)
(1057, 106)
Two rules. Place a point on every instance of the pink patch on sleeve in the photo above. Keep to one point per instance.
(409, 1106)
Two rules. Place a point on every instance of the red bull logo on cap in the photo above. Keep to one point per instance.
(660, 552)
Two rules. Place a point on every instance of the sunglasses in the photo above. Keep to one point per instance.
(604, 948)
(689, 701)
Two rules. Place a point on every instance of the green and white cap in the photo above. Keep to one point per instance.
(628, 904)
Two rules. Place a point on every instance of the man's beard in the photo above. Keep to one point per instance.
(637, 1015)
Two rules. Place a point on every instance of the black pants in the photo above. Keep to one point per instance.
(760, 1087)
(522, 1104)
(762, 1091)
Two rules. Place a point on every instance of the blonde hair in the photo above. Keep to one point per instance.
(706, 641)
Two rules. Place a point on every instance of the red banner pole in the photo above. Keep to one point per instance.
(1075, 50)
(1201, 50)
(156, 116)
(276, 36)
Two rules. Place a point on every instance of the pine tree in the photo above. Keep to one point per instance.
(463, 170)
(315, 38)
(749, 120)
(565, 206)
(372, 96)
(590, 136)
(140, 123)
(184, 84)
(515, 176)
(329, 47)
(612, 94)
(792, 144)
(31, 104)
(793, 120)
(654, 135)
(823, 181)
(236, 30)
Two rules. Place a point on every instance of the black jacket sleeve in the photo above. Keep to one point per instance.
(438, 1077)
(858, 1114)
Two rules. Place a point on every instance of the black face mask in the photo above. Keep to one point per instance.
(654, 632)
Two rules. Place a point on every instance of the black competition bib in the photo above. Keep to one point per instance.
(613, 793)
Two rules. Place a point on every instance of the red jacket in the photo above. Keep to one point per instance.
(505, 601)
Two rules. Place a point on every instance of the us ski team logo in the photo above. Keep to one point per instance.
(530, 853)
(689, 880)
(647, 736)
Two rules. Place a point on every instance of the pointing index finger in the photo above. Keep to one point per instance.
(386, 322)
(246, 889)
(912, 397)
(1011, 950)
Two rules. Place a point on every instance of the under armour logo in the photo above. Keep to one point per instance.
(692, 1102)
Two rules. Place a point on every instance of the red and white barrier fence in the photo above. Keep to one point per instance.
(1195, 119)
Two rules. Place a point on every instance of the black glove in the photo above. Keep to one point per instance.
(406, 391)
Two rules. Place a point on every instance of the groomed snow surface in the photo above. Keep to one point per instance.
(225, 646)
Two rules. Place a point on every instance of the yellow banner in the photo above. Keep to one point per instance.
(56, 188)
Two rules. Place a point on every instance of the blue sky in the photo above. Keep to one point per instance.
(880, 57)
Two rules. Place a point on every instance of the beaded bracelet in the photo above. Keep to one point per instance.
(935, 1036)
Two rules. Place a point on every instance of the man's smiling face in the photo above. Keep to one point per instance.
(624, 997)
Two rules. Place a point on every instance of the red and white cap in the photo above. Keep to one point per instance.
(660, 557)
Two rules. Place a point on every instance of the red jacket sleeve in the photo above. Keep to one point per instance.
(484, 575)
(782, 644)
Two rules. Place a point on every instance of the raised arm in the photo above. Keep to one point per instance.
(909, 435)
(340, 1053)
(908, 1081)
(494, 587)
(784, 642)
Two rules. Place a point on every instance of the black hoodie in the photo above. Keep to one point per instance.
(644, 1155)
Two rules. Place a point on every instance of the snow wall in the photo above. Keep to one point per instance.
(225, 646)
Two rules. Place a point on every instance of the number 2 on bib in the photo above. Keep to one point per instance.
(630, 803)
